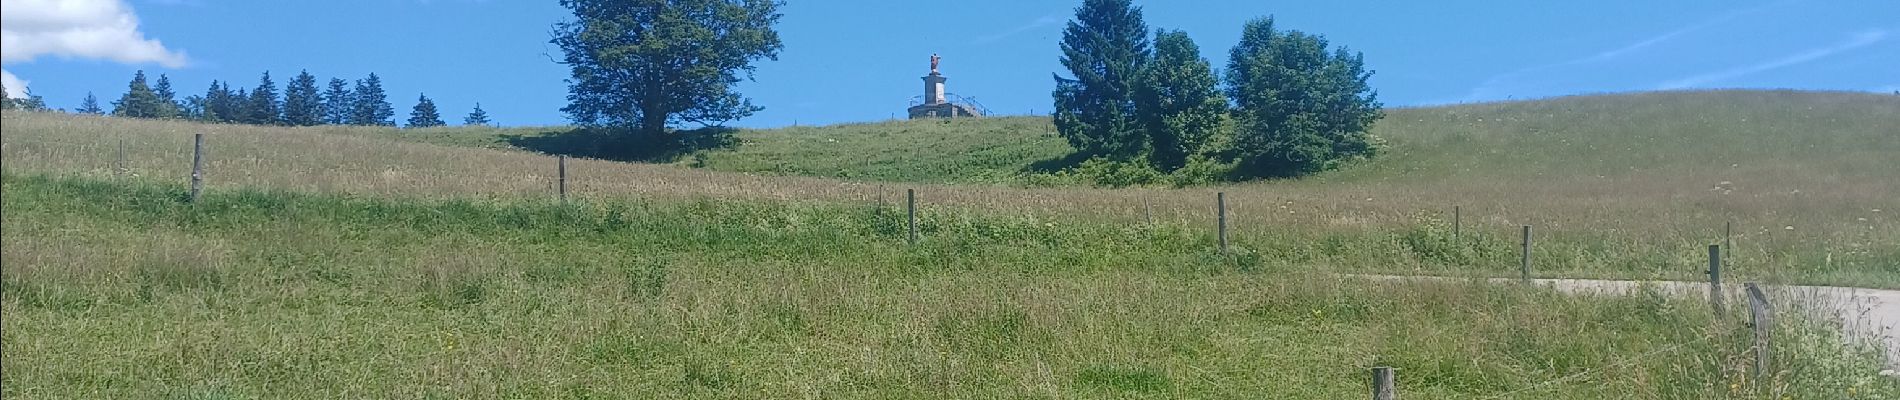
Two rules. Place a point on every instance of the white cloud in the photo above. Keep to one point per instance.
(90, 29)
(1046, 20)
(1860, 40)
(1501, 85)
(16, 88)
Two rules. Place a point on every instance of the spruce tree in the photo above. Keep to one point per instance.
(372, 105)
(424, 115)
(1104, 49)
(1179, 100)
(167, 99)
(192, 108)
(338, 105)
(90, 105)
(1299, 108)
(139, 100)
(217, 104)
(6, 100)
(477, 117)
(240, 106)
(264, 106)
(303, 105)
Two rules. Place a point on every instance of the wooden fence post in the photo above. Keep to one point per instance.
(1456, 222)
(120, 169)
(1148, 211)
(1220, 202)
(1764, 320)
(562, 167)
(1384, 384)
(197, 166)
(910, 196)
(1524, 263)
(1715, 278)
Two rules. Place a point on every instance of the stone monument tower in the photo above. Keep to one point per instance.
(936, 103)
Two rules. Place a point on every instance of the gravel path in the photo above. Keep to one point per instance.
(1866, 314)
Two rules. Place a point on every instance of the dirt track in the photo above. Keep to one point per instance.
(1866, 314)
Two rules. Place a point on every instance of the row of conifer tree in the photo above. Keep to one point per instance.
(343, 102)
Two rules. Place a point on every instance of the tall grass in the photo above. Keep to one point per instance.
(121, 290)
(1624, 186)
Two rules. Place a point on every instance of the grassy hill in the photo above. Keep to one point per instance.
(1742, 131)
(333, 262)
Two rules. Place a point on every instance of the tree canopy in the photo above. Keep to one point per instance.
(647, 64)
(371, 104)
(1299, 108)
(1179, 100)
(1293, 105)
(139, 100)
(424, 115)
(1104, 48)
(303, 105)
(477, 117)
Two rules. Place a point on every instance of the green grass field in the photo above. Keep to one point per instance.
(361, 262)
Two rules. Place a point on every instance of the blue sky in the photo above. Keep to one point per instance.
(861, 60)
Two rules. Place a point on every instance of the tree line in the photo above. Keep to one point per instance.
(342, 102)
(1146, 108)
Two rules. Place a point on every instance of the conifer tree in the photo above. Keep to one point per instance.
(372, 105)
(167, 99)
(6, 100)
(264, 106)
(302, 104)
(1179, 100)
(192, 108)
(90, 105)
(424, 115)
(1104, 48)
(217, 104)
(338, 105)
(240, 106)
(32, 102)
(477, 117)
(139, 100)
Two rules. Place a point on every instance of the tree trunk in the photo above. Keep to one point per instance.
(653, 123)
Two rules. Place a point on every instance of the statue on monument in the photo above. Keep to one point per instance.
(934, 59)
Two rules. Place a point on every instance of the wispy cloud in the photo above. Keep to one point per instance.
(1856, 41)
(1046, 20)
(1502, 84)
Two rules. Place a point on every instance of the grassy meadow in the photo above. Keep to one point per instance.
(119, 290)
(1624, 186)
(336, 262)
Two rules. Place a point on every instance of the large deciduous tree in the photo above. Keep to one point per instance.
(1179, 100)
(1104, 48)
(1299, 108)
(647, 64)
